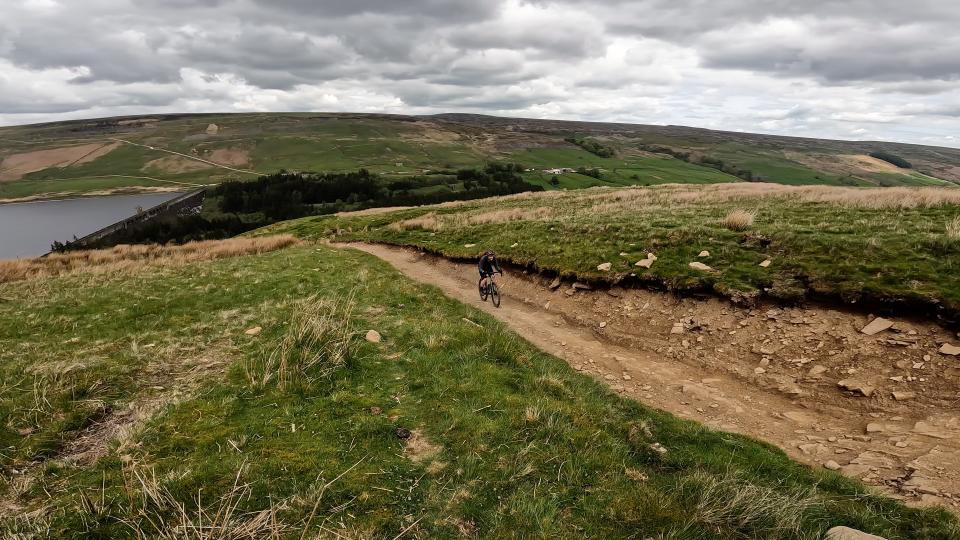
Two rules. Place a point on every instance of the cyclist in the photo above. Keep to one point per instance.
(488, 266)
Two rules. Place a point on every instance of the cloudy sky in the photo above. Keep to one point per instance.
(852, 69)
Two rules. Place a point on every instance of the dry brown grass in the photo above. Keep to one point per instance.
(163, 516)
(509, 214)
(953, 228)
(435, 223)
(632, 198)
(126, 258)
(739, 220)
(872, 198)
(426, 222)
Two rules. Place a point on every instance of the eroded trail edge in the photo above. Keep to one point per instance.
(880, 407)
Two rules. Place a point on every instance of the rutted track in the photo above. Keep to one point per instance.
(739, 370)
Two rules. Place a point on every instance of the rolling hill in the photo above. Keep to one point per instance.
(180, 151)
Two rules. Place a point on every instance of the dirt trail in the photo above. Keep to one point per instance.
(769, 373)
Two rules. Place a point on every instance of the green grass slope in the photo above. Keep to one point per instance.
(293, 433)
(892, 248)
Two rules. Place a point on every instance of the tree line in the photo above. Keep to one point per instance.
(593, 147)
(235, 207)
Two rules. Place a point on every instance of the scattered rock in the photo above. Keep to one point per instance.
(876, 326)
(832, 465)
(581, 286)
(846, 533)
(254, 331)
(645, 263)
(603, 324)
(904, 396)
(677, 328)
(924, 428)
(658, 448)
(860, 387)
(651, 256)
(949, 349)
(700, 266)
(790, 389)
(555, 284)
(402, 433)
(816, 371)
(373, 336)
(874, 427)
(604, 267)
(469, 245)
(704, 253)
(766, 263)
(515, 244)
(624, 254)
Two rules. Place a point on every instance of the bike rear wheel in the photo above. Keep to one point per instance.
(495, 294)
(483, 290)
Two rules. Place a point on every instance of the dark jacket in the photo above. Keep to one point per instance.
(489, 264)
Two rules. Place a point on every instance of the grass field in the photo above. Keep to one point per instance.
(625, 171)
(292, 432)
(893, 248)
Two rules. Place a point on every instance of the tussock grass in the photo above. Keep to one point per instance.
(953, 228)
(164, 516)
(318, 340)
(739, 220)
(131, 258)
(427, 222)
(730, 503)
(508, 215)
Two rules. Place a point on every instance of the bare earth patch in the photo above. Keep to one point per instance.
(16, 166)
(234, 157)
(419, 448)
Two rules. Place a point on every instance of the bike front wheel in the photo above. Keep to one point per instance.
(495, 294)
(483, 290)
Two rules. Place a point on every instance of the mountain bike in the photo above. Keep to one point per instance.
(490, 290)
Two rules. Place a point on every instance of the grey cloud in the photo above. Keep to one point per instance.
(719, 63)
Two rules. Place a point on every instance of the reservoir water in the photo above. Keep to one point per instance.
(27, 229)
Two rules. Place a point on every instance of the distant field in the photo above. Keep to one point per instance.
(406, 146)
(894, 247)
(226, 391)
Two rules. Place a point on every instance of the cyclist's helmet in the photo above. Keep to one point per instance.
(489, 253)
